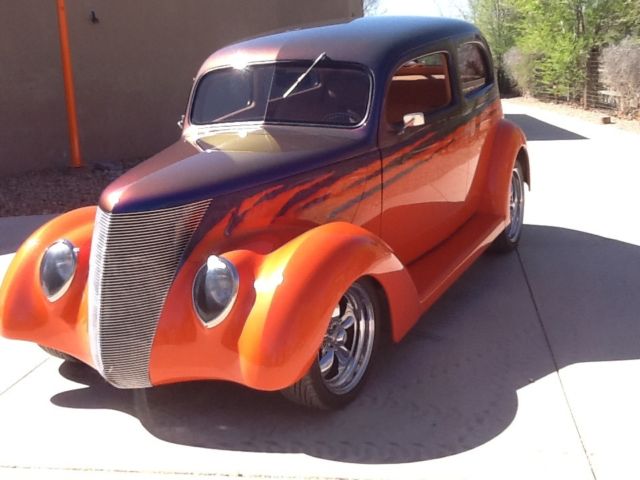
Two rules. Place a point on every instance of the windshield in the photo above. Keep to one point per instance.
(318, 93)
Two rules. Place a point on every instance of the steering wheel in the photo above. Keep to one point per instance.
(342, 118)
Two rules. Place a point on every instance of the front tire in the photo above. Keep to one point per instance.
(510, 237)
(58, 354)
(346, 353)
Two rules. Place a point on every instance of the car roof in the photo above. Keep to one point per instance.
(372, 41)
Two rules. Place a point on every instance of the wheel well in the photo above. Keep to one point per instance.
(384, 304)
(523, 158)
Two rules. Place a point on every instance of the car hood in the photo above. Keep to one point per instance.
(218, 162)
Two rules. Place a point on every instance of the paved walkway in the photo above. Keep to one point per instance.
(527, 368)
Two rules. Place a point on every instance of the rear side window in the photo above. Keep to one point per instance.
(421, 85)
(473, 67)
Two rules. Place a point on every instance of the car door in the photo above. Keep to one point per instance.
(424, 167)
(480, 105)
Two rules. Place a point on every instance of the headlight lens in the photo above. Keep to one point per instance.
(214, 290)
(57, 269)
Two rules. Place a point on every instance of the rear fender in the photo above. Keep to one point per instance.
(508, 145)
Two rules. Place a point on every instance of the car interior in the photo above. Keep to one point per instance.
(421, 85)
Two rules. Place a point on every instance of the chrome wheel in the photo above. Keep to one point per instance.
(346, 352)
(516, 206)
(347, 346)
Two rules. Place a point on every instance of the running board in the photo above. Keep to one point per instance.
(434, 272)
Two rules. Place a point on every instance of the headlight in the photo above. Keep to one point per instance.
(214, 290)
(57, 269)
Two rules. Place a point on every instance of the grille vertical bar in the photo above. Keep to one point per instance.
(134, 258)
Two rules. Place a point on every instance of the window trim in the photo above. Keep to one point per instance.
(486, 58)
(352, 65)
(385, 128)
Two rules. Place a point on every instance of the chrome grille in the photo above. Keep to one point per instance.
(134, 258)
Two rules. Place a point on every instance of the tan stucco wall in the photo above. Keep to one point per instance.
(133, 70)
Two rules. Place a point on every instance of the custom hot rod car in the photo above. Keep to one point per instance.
(329, 185)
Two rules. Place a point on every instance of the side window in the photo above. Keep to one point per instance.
(420, 85)
(473, 67)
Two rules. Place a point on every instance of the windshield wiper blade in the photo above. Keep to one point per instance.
(301, 77)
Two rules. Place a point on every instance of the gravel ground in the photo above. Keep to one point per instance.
(57, 190)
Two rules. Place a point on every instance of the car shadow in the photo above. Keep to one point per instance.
(535, 129)
(450, 386)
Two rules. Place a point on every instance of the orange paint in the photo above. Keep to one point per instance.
(411, 211)
(25, 313)
(282, 311)
(285, 299)
(428, 189)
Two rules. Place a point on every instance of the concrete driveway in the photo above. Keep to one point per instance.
(527, 368)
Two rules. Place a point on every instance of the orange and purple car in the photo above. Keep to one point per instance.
(329, 185)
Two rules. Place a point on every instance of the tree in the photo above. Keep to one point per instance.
(555, 39)
(500, 22)
(520, 67)
(372, 7)
(621, 72)
(553, 34)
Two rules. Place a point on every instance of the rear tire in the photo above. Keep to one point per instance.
(58, 354)
(347, 351)
(509, 238)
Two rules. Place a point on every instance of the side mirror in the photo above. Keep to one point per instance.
(413, 120)
(181, 122)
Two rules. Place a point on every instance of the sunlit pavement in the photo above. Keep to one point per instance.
(527, 368)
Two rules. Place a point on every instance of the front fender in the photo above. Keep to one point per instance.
(25, 313)
(283, 308)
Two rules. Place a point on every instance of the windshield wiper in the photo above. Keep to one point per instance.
(301, 77)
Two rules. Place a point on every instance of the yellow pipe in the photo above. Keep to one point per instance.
(67, 73)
